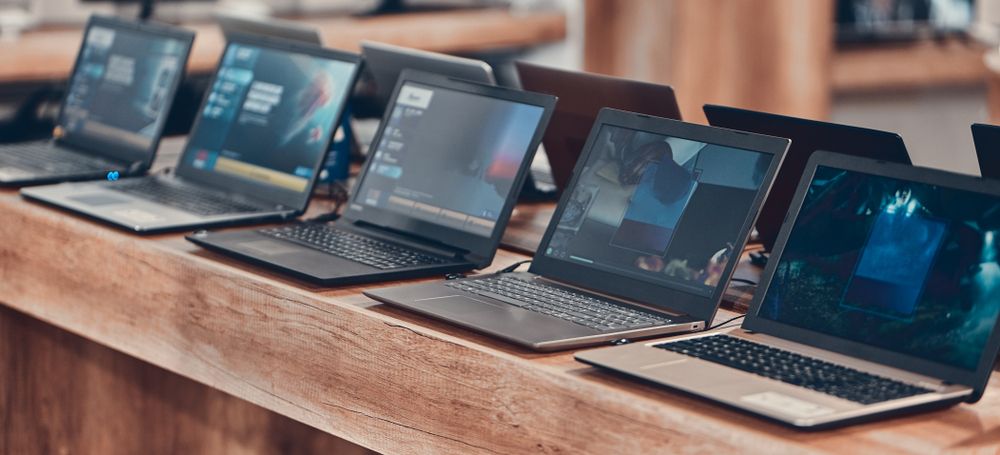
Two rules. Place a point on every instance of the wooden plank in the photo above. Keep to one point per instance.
(49, 54)
(381, 378)
(920, 65)
(60, 393)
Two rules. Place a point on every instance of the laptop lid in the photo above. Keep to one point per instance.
(658, 211)
(235, 25)
(385, 62)
(581, 96)
(122, 87)
(807, 136)
(268, 117)
(448, 161)
(891, 264)
(987, 139)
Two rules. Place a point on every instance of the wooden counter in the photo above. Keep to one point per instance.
(49, 54)
(378, 377)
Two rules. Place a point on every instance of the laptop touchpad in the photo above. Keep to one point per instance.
(97, 199)
(457, 305)
(270, 247)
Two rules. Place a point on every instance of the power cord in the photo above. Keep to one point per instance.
(338, 192)
(727, 321)
(514, 266)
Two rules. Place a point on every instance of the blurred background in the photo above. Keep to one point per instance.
(922, 68)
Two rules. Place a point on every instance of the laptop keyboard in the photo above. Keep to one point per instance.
(43, 156)
(189, 199)
(593, 312)
(794, 369)
(353, 247)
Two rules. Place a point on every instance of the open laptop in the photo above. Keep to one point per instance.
(807, 136)
(254, 153)
(385, 62)
(643, 242)
(434, 196)
(581, 96)
(987, 139)
(880, 298)
(117, 101)
(234, 25)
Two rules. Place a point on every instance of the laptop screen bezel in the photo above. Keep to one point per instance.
(297, 200)
(987, 142)
(479, 248)
(655, 295)
(973, 378)
(110, 148)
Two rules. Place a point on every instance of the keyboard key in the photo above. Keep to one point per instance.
(43, 156)
(794, 369)
(351, 246)
(182, 197)
(576, 307)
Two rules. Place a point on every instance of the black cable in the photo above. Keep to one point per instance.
(338, 192)
(514, 266)
(744, 281)
(723, 323)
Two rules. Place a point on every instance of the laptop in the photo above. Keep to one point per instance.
(237, 25)
(253, 155)
(987, 139)
(117, 101)
(881, 298)
(642, 243)
(807, 136)
(581, 97)
(385, 62)
(433, 198)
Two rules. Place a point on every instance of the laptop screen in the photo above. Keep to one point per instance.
(122, 88)
(661, 209)
(269, 116)
(449, 157)
(898, 265)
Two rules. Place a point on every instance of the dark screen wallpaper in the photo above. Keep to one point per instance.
(903, 266)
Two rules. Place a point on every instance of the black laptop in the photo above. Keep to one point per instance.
(881, 299)
(808, 136)
(117, 102)
(643, 242)
(254, 153)
(987, 139)
(434, 197)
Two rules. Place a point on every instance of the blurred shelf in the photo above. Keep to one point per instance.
(924, 64)
(48, 54)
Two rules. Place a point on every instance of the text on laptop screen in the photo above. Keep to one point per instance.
(449, 157)
(903, 266)
(661, 209)
(122, 86)
(269, 116)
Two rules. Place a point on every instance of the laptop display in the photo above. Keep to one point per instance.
(121, 89)
(903, 266)
(267, 119)
(471, 145)
(987, 140)
(664, 210)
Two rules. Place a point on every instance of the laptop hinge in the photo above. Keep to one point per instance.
(411, 240)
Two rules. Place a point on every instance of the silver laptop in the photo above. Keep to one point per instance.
(254, 153)
(881, 298)
(642, 243)
(233, 25)
(117, 101)
(385, 62)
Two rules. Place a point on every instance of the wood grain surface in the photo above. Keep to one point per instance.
(381, 378)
